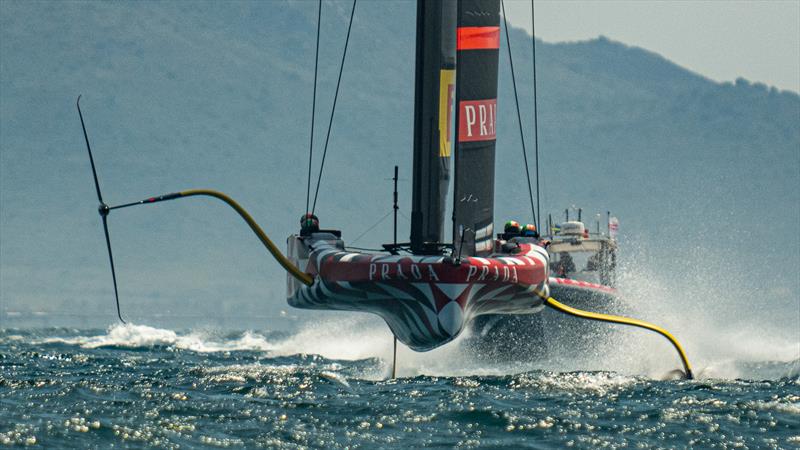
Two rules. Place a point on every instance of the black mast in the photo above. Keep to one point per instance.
(433, 112)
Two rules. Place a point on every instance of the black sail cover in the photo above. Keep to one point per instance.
(433, 112)
(478, 48)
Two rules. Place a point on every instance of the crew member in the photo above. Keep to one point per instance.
(309, 223)
(512, 229)
(530, 231)
(565, 265)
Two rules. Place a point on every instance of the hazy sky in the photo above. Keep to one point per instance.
(722, 40)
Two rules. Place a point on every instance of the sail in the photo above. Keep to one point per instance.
(433, 112)
(478, 45)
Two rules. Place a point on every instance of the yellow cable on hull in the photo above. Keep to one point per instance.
(549, 301)
(271, 247)
(560, 307)
(308, 280)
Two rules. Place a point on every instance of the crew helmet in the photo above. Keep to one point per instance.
(530, 230)
(309, 222)
(512, 226)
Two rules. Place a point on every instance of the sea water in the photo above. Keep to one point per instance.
(322, 380)
(327, 385)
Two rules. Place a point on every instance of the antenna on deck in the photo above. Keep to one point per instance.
(461, 231)
(394, 245)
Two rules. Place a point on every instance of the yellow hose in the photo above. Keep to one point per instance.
(549, 301)
(271, 247)
(555, 304)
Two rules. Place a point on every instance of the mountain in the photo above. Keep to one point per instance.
(703, 175)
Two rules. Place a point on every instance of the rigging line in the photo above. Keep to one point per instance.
(333, 109)
(313, 108)
(535, 114)
(372, 227)
(519, 118)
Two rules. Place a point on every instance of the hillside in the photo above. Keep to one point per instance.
(704, 176)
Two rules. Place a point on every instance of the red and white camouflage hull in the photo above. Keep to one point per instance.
(426, 300)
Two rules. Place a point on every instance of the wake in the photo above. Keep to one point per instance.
(628, 352)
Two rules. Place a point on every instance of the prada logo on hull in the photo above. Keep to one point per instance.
(426, 272)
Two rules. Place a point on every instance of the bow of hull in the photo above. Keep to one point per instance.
(427, 301)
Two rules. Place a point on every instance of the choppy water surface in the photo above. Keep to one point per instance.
(133, 386)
